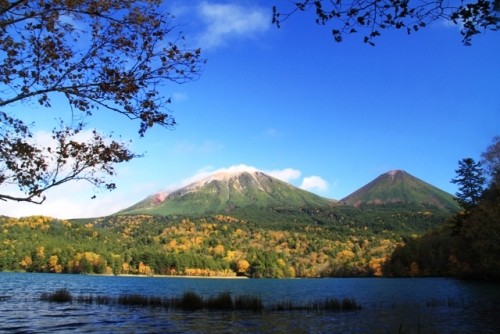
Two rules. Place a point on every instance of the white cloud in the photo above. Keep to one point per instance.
(451, 25)
(207, 171)
(287, 174)
(179, 97)
(69, 200)
(73, 200)
(314, 182)
(229, 21)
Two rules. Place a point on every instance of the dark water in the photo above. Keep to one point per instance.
(431, 305)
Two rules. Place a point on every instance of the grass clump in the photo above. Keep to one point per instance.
(133, 300)
(59, 296)
(157, 302)
(248, 303)
(103, 300)
(222, 301)
(349, 304)
(190, 301)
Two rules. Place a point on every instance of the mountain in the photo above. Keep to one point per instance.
(224, 192)
(399, 187)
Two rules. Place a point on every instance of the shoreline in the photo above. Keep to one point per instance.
(177, 276)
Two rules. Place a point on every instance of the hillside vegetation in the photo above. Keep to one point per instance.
(308, 243)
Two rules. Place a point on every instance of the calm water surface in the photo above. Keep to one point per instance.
(431, 305)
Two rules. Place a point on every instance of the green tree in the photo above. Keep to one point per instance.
(96, 56)
(346, 17)
(491, 162)
(470, 181)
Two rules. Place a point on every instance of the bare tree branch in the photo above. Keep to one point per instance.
(100, 55)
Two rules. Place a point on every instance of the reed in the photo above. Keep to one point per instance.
(103, 300)
(59, 296)
(191, 301)
(156, 302)
(248, 303)
(88, 299)
(133, 300)
(330, 304)
(349, 304)
(222, 301)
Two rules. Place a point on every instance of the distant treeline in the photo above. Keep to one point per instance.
(212, 246)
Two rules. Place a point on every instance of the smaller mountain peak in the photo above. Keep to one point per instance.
(402, 188)
(395, 172)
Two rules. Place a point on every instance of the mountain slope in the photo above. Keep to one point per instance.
(224, 192)
(399, 187)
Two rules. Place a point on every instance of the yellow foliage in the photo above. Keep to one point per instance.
(376, 265)
(219, 250)
(238, 233)
(26, 262)
(207, 272)
(90, 257)
(291, 272)
(145, 269)
(227, 219)
(125, 268)
(281, 262)
(345, 255)
(230, 255)
(242, 266)
(54, 265)
(40, 252)
(198, 240)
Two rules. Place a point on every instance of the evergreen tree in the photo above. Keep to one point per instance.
(470, 181)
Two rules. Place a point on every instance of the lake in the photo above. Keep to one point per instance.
(424, 305)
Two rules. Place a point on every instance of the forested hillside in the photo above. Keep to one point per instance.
(352, 242)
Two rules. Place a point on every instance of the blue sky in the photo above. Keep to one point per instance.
(328, 117)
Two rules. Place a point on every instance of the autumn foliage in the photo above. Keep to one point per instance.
(210, 246)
